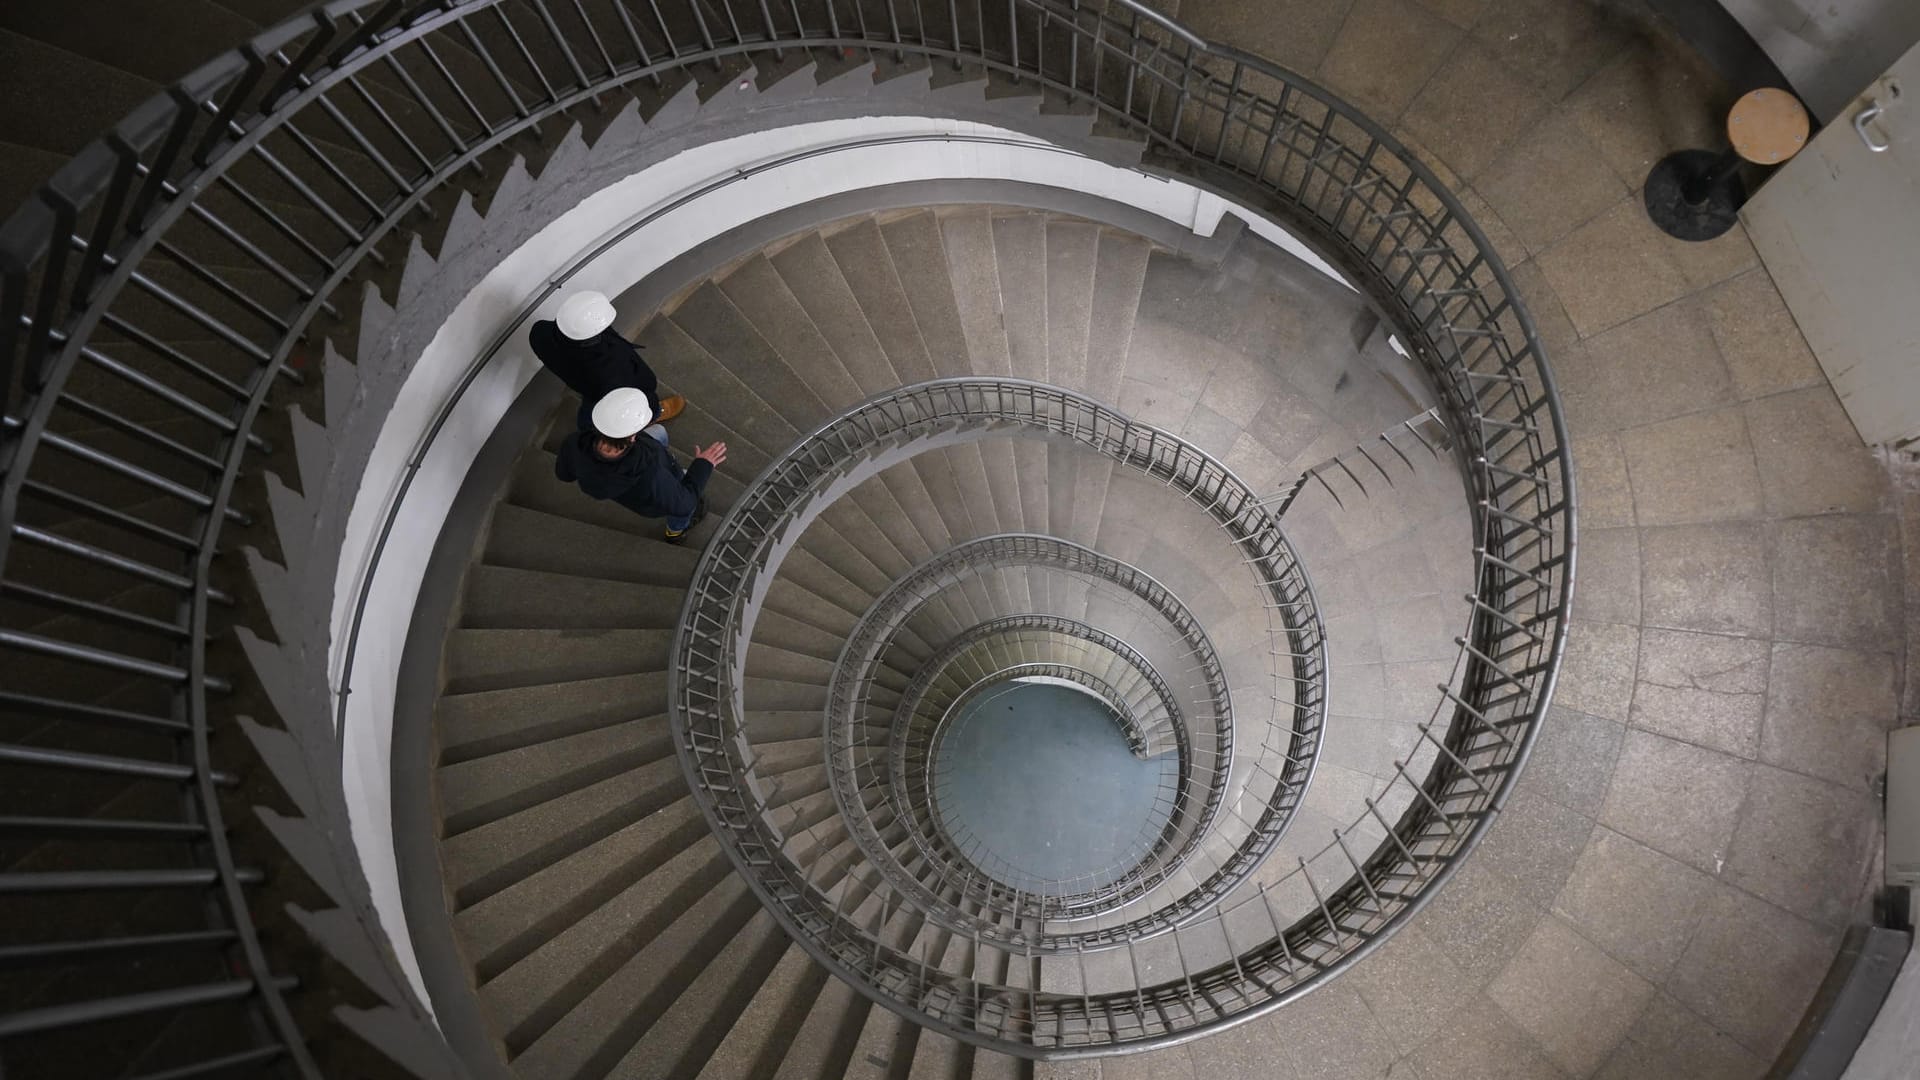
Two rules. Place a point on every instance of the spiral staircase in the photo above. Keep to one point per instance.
(711, 810)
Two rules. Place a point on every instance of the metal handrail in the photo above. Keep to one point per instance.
(206, 163)
(1021, 920)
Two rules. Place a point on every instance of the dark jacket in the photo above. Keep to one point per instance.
(591, 368)
(646, 480)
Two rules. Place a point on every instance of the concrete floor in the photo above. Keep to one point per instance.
(1697, 826)
(1041, 778)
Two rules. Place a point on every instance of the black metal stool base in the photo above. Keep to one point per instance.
(1695, 194)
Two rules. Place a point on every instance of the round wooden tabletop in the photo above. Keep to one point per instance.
(1767, 126)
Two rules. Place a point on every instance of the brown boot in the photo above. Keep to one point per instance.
(670, 407)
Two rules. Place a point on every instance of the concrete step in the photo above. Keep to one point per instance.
(472, 725)
(1071, 257)
(709, 317)
(814, 277)
(597, 1033)
(525, 539)
(757, 290)
(689, 369)
(821, 1045)
(481, 790)
(58, 100)
(918, 253)
(885, 1047)
(758, 1039)
(536, 999)
(475, 660)
(860, 251)
(510, 924)
(1020, 255)
(504, 597)
(486, 859)
(159, 45)
(973, 268)
(689, 1032)
(1119, 275)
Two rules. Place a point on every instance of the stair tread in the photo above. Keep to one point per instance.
(809, 271)
(758, 1035)
(503, 659)
(920, 259)
(501, 597)
(490, 857)
(1020, 252)
(528, 775)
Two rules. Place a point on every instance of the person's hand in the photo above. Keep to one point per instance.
(712, 453)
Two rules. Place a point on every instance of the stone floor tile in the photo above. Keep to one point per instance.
(1693, 468)
(1534, 844)
(1811, 459)
(1668, 1042)
(1210, 431)
(1545, 185)
(1711, 262)
(1804, 844)
(1237, 1051)
(1500, 236)
(1483, 1044)
(1758, 338)
(1471, 108)
(1609, 569)
(1384, 53)
(1573, 758)
(1596, 675)
(1067, 1070)
(1751, 969)
(1352, 639)
(1549, 315)
(1160, 406)
(1575, 1000)
(1253, 463)
(1552, 45)
(1412, 689)
(1836, 580)
(1411, 985)
(1637, 904)
(1480, 919)
(1614, 268)
(1359, 691)
(1420, 628)
(1238, 387)
(1702, 688)
(1676, 798)
(1828, 713)
(1656, 367)
(1649, 100)
(1706, 577)
(1287, 423)
(1294, 33)
(1461, 13)
(1330, 1035)
(1396, 570)
(1600, 468)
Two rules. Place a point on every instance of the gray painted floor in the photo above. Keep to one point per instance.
(1042, 779)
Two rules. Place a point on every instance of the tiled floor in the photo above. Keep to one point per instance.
(1696, 828)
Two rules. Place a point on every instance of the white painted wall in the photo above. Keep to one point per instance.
(940, 149)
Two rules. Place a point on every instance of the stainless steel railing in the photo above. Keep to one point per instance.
(302, 157)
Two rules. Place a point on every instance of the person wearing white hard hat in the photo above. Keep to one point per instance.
(610, 460)
(580, 345)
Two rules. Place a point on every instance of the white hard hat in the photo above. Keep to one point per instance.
(622, 412)
(584, 314)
